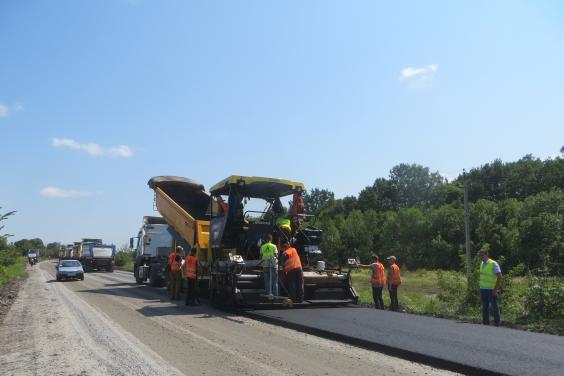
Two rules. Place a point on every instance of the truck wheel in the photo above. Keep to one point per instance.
(154, 281)
(58, 279)
(110, 269)
(138, 280)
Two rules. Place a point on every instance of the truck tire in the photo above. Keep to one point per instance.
(154, 280)
(139, 281)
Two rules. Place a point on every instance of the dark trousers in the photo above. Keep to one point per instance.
(393, 289)
(295, 280)
(377, 295)
(175, 284)
(489, 301)
(190, 291)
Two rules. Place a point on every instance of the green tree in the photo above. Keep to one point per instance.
(316, 199)
(3, 217)
(417, 186)
(24, 245)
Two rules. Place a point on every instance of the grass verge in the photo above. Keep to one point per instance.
(439, 293)
(13, 270)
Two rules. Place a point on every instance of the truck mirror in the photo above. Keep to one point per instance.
(131, 243)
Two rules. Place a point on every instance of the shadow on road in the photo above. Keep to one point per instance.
(198, 312)
(120, 284)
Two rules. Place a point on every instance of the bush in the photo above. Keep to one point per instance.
(9, 257)
(125, 258)
(12, 265)
(544, 297)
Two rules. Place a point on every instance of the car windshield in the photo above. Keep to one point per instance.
(67, 264)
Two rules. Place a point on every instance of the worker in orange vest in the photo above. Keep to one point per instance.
(178, 250)
(175, 275)
(378, 280)
(394, 280)
(294, 273)
(190, 267)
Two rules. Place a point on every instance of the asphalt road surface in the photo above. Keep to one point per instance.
(108, 325)
(461, 346)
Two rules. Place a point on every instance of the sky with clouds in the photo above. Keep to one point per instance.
(98, 96)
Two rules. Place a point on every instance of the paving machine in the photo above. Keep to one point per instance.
(237, 231)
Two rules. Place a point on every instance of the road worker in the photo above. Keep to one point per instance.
(176, 277)
(393, 280)
(170, 259)
(294, 273)
(269, 257)
(378, 280)
(190, 267)
(490, 282)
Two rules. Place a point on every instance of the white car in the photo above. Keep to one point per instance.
(67, 269)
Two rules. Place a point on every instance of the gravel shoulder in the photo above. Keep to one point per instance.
(50, 332)
(8, 295)
(107, 324)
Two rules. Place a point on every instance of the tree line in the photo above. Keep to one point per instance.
(516, 208)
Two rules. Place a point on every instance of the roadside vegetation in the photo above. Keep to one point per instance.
(12, 264)
(125, 258)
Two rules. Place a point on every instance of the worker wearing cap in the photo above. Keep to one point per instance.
(378, 280)
(394, 280)
(294, 273)
(490, 281)
(269, 257)
(190, 267)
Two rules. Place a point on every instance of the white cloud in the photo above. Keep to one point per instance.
(120, 151)
(55, 192)
(418, 73)
(5, 109)
(123, 151)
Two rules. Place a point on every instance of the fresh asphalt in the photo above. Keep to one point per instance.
(454, 345)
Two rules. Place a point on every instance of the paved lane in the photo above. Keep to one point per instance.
(456, 345)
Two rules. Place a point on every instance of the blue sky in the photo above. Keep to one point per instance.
(98, 96)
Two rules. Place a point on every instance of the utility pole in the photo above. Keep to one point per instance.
(467, 229)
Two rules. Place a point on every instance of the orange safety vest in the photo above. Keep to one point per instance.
(378, 275)
(293, 260)
(176, 266)
(190, 267)
(171, 258)
(396, 279)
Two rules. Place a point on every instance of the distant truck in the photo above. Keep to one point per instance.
(154, 243)
(93, 254)
(32, 256)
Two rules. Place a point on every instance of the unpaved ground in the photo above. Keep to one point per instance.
(8, 295)
(108, 325)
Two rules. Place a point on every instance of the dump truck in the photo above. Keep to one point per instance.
(154, 243)
(183, 204)
(93, 254)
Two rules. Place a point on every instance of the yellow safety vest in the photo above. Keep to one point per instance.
(284, 222)
(267, 250)
(487, 275)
